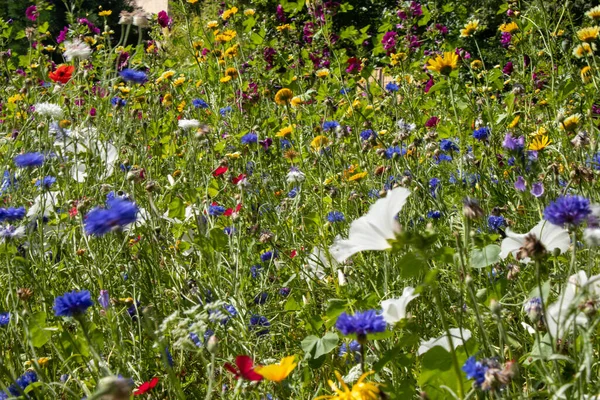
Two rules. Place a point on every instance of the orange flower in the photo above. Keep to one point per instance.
(62, 74)
(277, 372)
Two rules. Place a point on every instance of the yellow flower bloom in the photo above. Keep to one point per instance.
(360, 390)
(192, 1)
(225, 79)
(14, 98)
(284, 132)
(165, 75)
(231, 51)
(476, 64)
(296, 101)
(470, 28)
(539, 143)
(514, 122)
(283, 96)
(510, 27)
(179, 81)
(233, 156)
(105, 13)
(232, 72)
(322, 73)
(277, 372)
(584, 49)
(167, 100)
(358, 177)
(594, 13)
(319, 142)
(586, 74)
(588, 34)
(397, 58)
(181, 106)
(249, 12)
(284, 28)
(443, 65)
(229, 13)
(211, 24)
(569, 124)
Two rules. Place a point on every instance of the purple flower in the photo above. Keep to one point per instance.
(389, 40)
(12, 214)
(29, 160)
(132, 75)
(72, 303)
(31, 13)
(249, 138)
(475, 370)
(361, 323)
(570, 210)
(4, 318)
(482, 134)
(164, 20)
(512, 143)
(280, 13)
(432, 122)
(520, 184)
(505, 38)
(104, 299)
(119, 213)
(508, 68)
(537, 189)
(495, 222)
(62, 35)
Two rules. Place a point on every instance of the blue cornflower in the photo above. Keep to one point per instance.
(434, 184)
(595, 161)
(229, 230)
(330, 125)
(29, 160)
(482, 133)
(354, 348)
(393, 150)
(216, 210)
(443, 157)
(335, 216)
(475, 370)
(434, 214)
(249, 138)
(255, 270)
(12, 214)
(118, 102)
(72, 303)
(268, 256)
(231, 311)
(260, 324)
(4, 318)
(132, 75)
(361, 323)
(284, 291)
(168, 356)
(448, 145)
(293, 193)
(570, 210)
(285, 144)
(225, 110)
(368, 135)
(495, 222)
(261, 298)
(392, 87)
(195, 339)
(199, 103)
(373, 193)
(8, 180)
(119, 213)
(46, 182)
(22, 382)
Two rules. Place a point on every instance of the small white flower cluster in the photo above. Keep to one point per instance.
(187, 124)
(77, 49)
(49, 110)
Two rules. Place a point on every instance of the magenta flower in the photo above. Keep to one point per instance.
(389, 40)
(164, 20)
(31, 13)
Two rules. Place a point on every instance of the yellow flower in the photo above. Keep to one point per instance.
(319, 142)
(165, 75)
(539, 143)
(124, 89)
(358, 177)
(586, 74)
(284, 132)
(64, 123)
(234, 156)
(105, 13)
(179, 81)
(322, 73)
(232, 72)
(167, 100)
(588, 34)
(14, 98)
(228, 13)
(277, 372)
(283, 28)
(231, 51)
(469, 28)
(249, 12)
(569, 124)
(360, 390)
(584, 49)
(514, 122)
(283, 96)
(594, 13)
(296, 101)
(181, 106)
(476, 64)
(510, 27)
(443, 65)
(397, 58)
(225, 79)
(192, 1)
(212, 24)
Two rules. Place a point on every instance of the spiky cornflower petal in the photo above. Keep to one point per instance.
(72, 303)
(571, 210)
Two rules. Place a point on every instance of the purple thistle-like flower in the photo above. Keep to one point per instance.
(571, 210)
(361, 323)
(72, 303)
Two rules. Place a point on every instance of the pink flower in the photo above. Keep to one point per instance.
(31, 13)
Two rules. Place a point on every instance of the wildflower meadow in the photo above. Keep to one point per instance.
(300, 200)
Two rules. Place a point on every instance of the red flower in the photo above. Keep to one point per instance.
(219, 171)
(245, 369)
(62, 74)
(238, 179)
(146, 387)
(230, 211)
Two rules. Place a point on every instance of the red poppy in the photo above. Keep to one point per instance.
(238, 179)
(62, 74)
(245, 369)
(146, 387)
(219, 171)
(230, 211)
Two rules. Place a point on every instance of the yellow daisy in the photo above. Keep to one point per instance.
(283, 96)
(284, 132)
(360, 390)
(229, 13)
(319, 142)
(510, 27)
(358, 177)
(296, 101)
(322, 73)
(225, 79)
(571, 123)
(212, 24)
(470, 28)
(284, 28)
(539, 143)
(443, 65)
(594, 13)
(588, 34)
(104, 13)
(249, 12)
(584, 49)
(586, 74)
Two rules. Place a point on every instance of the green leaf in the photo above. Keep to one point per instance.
(38, 332)
(411, 265)
(256, 38)
(177, 209)
(442, 85)
(395, 353)
(316, 347)
(487, 256)
(348, 32)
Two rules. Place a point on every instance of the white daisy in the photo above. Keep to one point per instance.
(77, 49)
(48, 110)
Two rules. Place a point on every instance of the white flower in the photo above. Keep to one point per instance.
(11, 232)
(187, 124)
(319, 264)
(77, 49)
(43, 204)
(373, 230)
(564, 314)
(459, 338)
(140, 20)
(295, 175)
(48, 110)
(592, 236)
(394, 310)
(551, 236)
(78, 172)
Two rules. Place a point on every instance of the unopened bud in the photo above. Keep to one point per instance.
(212, 345)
